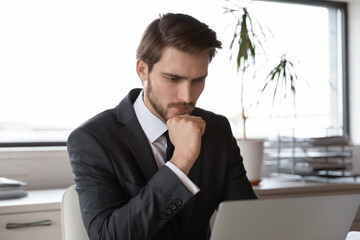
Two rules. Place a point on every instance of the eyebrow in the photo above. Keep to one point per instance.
(182, 77)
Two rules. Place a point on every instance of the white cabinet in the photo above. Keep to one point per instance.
(31, 225)
(35, 217)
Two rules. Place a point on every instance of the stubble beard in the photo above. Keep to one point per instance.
(155, 102)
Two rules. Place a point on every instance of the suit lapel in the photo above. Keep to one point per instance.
(195, 171)
(135, 136)
(140, 148)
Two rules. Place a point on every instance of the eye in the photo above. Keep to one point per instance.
(172, 78)
(199, 80)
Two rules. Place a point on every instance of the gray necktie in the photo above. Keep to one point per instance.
(170, 147)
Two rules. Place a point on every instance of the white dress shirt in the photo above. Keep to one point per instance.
(154, 129)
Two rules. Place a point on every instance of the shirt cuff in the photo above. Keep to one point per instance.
(184, 179)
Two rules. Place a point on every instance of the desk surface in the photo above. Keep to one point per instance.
(37, 200)
(269, 187)
(282, 187)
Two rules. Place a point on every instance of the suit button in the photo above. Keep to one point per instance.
(167, 211)
(178, 202)
(163, 216)
(173, 207)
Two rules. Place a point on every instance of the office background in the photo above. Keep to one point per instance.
(59, 79)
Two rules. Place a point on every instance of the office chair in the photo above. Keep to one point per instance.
(71, 220)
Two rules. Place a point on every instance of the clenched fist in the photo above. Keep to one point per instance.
(185, 133)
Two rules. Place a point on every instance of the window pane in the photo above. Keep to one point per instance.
(62, 62)
(314, 42)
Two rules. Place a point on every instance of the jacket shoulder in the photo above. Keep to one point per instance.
(98, 124)
(103, 119)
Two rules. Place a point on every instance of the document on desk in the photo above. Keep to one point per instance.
(10, 188)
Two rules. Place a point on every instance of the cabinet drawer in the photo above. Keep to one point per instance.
(50, 230)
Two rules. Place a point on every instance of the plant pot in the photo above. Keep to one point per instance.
(252, 151)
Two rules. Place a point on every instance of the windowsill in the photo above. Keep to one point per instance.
(32, 149)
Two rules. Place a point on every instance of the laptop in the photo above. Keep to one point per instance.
(306, 218)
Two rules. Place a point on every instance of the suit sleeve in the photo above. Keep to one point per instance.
(113, 209)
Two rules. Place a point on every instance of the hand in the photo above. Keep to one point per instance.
(185, 133)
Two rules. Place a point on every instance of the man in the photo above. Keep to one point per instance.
(126, 189)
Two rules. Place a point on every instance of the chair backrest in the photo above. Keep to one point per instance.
(71, 220)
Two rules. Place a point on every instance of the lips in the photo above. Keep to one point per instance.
(182, 105)
(182, 108)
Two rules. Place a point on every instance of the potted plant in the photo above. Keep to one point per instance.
(248, 42)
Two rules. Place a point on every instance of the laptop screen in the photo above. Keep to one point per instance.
(321, 217)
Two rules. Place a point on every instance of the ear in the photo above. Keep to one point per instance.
(142, 70)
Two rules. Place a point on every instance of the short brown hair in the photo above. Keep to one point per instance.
(180, 31)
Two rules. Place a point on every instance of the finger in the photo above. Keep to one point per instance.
(197, 119)
(202, 128)
(200, 123)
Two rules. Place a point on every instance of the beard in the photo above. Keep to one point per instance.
(160, 109)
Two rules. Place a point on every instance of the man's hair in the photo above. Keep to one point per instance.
(180, 31)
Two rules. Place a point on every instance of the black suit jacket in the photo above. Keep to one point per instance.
(123, 195)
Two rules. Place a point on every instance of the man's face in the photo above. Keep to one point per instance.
(175, 83)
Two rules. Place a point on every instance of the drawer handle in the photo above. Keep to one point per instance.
(31, 224)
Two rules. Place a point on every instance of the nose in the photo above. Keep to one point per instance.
(184, 92)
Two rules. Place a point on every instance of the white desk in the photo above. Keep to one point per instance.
(282, 187)
(38, 206)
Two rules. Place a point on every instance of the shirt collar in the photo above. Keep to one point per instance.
(152, 125)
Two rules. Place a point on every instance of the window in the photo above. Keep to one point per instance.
(61, 62)
(312, 36)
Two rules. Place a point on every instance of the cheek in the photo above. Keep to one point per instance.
(169, 94)
(162, 90)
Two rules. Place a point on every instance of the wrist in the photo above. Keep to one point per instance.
(182, 164)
